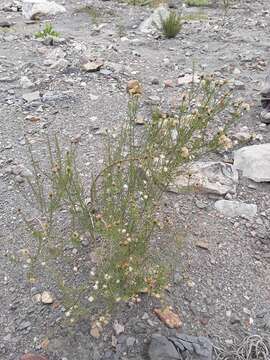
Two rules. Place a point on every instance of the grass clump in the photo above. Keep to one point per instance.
(197, 2)
(47, 31)
(118, 211)
(172, 25)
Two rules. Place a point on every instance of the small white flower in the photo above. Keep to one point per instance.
(90, 299)
(92, 273)
(145, 197)
(165, 169)
(125, 187)
(117, 281)
(130, 268)
(124, 231)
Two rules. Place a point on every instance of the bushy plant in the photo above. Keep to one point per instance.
(118, 214)
(171, 25)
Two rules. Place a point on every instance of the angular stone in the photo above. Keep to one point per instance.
(210, 177)
(118, 328)
(36, 8)
(188, 79)
(231, 208)
(161, 348)
(25, 82)
(254, 162)
(46, 297)
(33, 96)
(265, 116)
(92, 66)
(168, 317)
(154, 22)
(134, 87)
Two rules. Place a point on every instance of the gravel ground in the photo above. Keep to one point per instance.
(220, 290)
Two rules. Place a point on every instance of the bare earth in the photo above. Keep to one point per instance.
(221, 291)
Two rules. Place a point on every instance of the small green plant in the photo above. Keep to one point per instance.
(47, 31)
(119, 213)
(171, 25)
(197, 2)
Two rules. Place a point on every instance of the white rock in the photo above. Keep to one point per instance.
(188, 79)
(46, 297)
(26, 83)
(235, 208)
(254, 162)
(118, 328)
(29, 97)
(154, 21)
(33, 8)
(211, 177)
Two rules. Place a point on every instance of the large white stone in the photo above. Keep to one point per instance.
(33, 8)
(154, 21)
(231, 208)
(254, 162)
(211, 177)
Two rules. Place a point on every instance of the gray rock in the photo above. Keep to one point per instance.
(211, 177)
(33, 96)
(33, 8)
(26, 83)
(154, 22)
(161, 348)
(179, 347)
(24, 325)
(254, 162)
(130, 341)
(265, 116)
(239, 85)
(231, 208)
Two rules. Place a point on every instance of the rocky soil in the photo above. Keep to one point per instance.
(220, 286)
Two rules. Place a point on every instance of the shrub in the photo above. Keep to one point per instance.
(171, 25)
(119, 212)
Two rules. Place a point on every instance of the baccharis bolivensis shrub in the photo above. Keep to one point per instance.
(118, 214)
